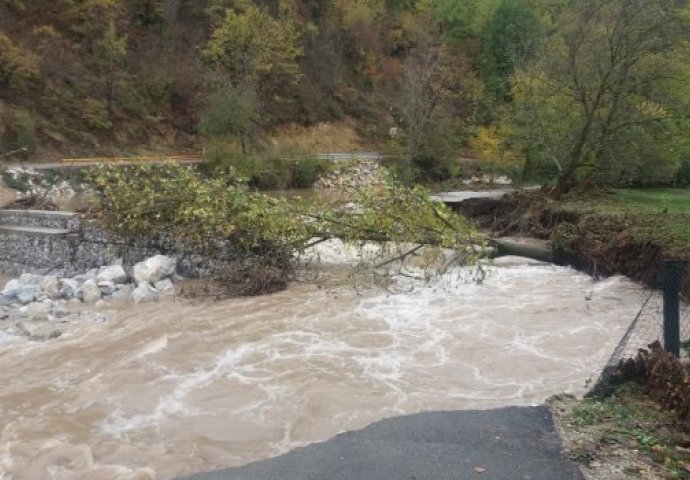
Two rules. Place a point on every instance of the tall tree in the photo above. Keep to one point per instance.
(508, 40)
(251, 46)
(110, 50)
(436, 94)
(231, 111)
(608, 98)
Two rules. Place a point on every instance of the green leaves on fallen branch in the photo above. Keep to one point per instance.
(203, 213)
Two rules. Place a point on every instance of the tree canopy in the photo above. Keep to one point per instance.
(251, 46)
(607, 98)
(574, 90)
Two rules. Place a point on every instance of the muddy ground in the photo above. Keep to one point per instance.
(627, 435)
(592, 233)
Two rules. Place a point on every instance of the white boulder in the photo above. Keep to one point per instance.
(27, 293)
(11, 288)
(144, 293)
(106, 287)
(89, 316)
(68, 288)
(39, 331)
(59, 311)
(36, 310)
(28, 278)
(90, 291)
(165, 287)
(154, 269)
(49, 285)
(112, 273)
(122, 292)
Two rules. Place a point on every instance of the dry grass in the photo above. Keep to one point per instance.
(319, 138)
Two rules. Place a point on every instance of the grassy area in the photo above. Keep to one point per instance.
(672, 200)
(627, 433)
(655, 216)
(626, 232)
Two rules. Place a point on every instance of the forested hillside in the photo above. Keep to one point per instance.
(595, 88)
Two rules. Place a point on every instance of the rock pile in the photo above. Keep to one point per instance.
(31, 182)
(355, 173)
(35, 305)
(487, 180)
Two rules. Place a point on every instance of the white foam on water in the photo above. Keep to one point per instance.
(194, 387)
(154, 346)
(119, 424)
(8, 337)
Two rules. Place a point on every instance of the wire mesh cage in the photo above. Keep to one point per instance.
(664, 317)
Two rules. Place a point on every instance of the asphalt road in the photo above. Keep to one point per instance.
(506, 444)
(82, 163)
(183, 158)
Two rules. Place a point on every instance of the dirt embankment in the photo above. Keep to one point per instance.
(591, 234)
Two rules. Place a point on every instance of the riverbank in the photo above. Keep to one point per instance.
(627, 435)
(628, 232)
(280, 371)
(604, 233)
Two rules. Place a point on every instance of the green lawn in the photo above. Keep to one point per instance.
(671, 200)
(660, 216)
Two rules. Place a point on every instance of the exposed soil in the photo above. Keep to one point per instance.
(641, 429)
(7, 195)
(604, 243)
(625, 436)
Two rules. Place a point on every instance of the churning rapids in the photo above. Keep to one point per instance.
(175, 388)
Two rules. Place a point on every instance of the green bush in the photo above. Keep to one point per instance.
(306, 171)
(230, 111)
(18, 181)
(21, 136)
(403, 170)
(264, 171)
(683, 174)
(18, 67)
(422, 168)
(129, 98)
(157, 86)
(96, 116)
(435, 168)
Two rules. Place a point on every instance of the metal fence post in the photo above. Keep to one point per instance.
(672, 275)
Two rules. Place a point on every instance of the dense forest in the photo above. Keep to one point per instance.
(576, 89)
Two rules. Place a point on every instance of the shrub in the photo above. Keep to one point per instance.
(264, 171)
(433, 167)
(306, 171)
(403, 171)
(683, 174)
(24, 132)
(18, 67)
(129, 98)
(230, 111)
(17, 181)
(158, 86)
(96, 115)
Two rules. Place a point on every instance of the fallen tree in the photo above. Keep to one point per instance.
(212, 214)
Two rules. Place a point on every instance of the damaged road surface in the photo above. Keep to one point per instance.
(504, 444)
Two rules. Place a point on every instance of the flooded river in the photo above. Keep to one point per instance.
(175, 388)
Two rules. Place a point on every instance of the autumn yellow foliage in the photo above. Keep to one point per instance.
(18, 67)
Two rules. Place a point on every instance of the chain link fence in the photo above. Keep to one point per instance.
(664, 317)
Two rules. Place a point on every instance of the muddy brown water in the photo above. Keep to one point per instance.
(175, 388)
